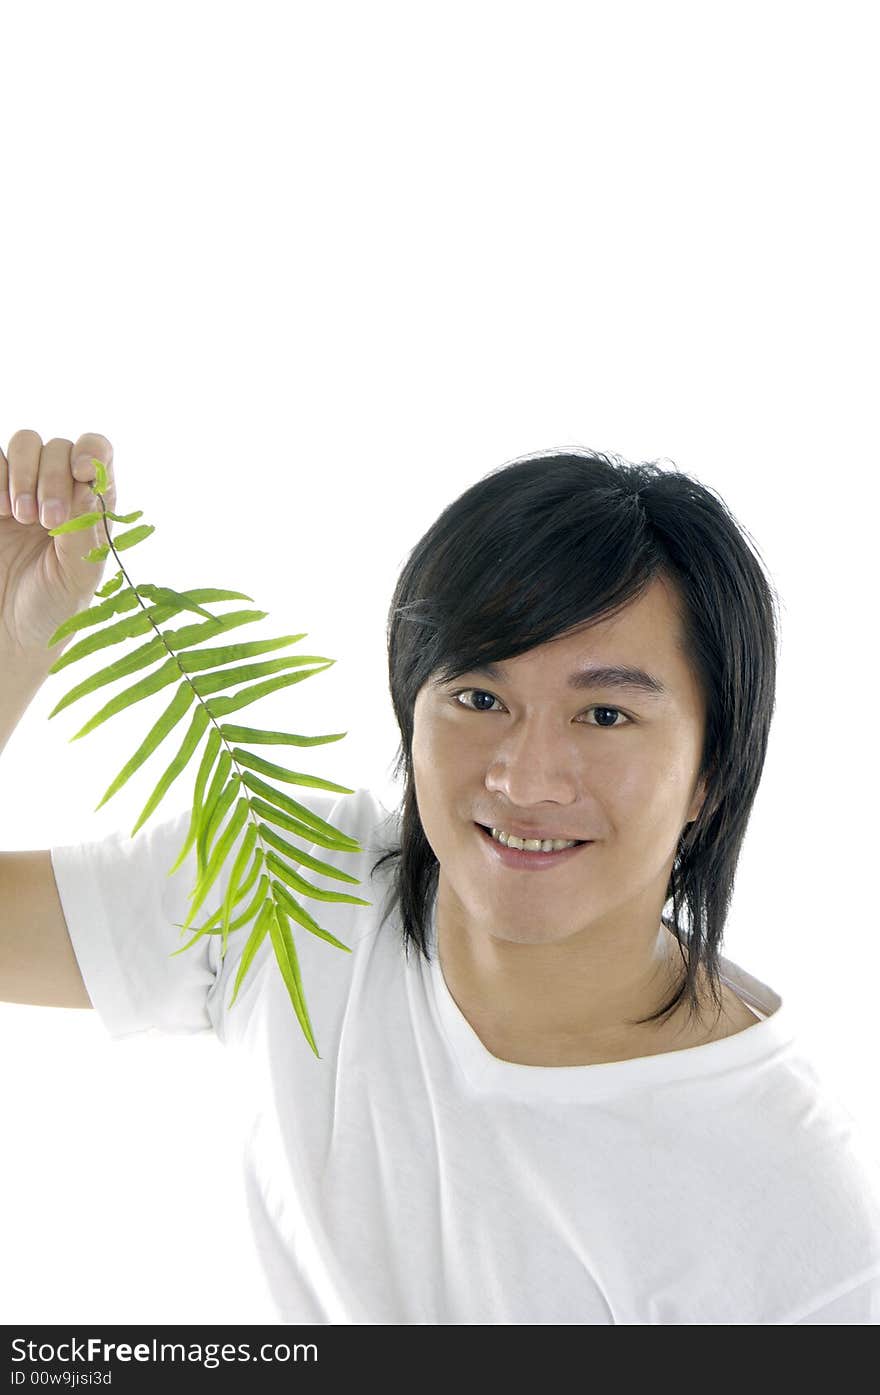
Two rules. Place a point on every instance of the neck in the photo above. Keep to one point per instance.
(566, 1001)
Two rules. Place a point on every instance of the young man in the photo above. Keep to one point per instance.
(566, 1106)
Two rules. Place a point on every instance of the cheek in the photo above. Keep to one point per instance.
(442, 748)
(652, 789)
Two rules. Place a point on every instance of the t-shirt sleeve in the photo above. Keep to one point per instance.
(124, 911)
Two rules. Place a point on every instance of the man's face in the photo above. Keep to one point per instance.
(614, 765)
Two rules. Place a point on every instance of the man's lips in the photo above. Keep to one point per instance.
(525, 859)
(563, 837)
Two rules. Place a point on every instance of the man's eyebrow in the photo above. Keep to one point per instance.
(604, 676)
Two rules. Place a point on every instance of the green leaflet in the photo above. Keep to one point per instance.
(212, 799)
(225, 677)
(205, 769)
(239, 865)
(255, 939)
(228, 653)
(299, 811)
(270, 836)
(156, 648)
(294, 777)
(211, 825)
(189, 635)
(95, 615)
(125, 629)
(274, 738)
(87, 520)
(302, 830)
(119, 613)
(164, 596)
(121, 543)
(137, 659)
(190, 742)
(221, 706)
(112, 585)
(210, 926)
(300, 914)
(170, 717)
(285, 953)
(168, 673)
(299, 883)
(224, 843)
(168, 641)
(213, 925)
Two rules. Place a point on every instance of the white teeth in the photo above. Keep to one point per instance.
(531, 844)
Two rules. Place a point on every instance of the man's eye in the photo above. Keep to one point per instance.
(598, 708)
(482, 693)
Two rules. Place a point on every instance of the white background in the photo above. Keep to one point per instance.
(316, 269)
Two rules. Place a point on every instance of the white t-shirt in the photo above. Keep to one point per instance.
(410, 1176)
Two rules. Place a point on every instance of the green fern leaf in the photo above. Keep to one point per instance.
(160, 678)
(121, 543)
(327, 868)
(212, 799)
(207, 765)
(87, 520)
(197, 727)
(206, 683)
(213, 925)
(157, 733)
(75, 525)
(299, 811)
(301, 829)
(255, 939)
(131, 663)
(299, 883)
(221, 808)
(224, 843)
(235, 876)
(275, 738)
(285, 953)
(216, 920)
(163, 595)
(198, 674)
(301, 915)
(136, 625)
(222, 706)
(293, 777)
(94, 615)
(228, 653)
(190, 635)
(154, 648)
(110, 586)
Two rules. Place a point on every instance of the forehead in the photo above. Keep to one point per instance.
(645, 635)
(646, 629)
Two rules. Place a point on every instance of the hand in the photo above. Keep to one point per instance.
(43, 580)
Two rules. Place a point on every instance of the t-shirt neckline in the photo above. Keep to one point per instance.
(488, 1074)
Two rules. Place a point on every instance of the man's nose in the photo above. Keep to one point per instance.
(532, 763)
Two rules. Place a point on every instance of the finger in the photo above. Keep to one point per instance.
(83, 453)
(55, 483)
(5, 503)
(24, 466)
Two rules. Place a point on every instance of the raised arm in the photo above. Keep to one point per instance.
(43, 580)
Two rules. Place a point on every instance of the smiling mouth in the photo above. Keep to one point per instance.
(577, 842)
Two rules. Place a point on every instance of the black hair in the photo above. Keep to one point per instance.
(537, 547)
